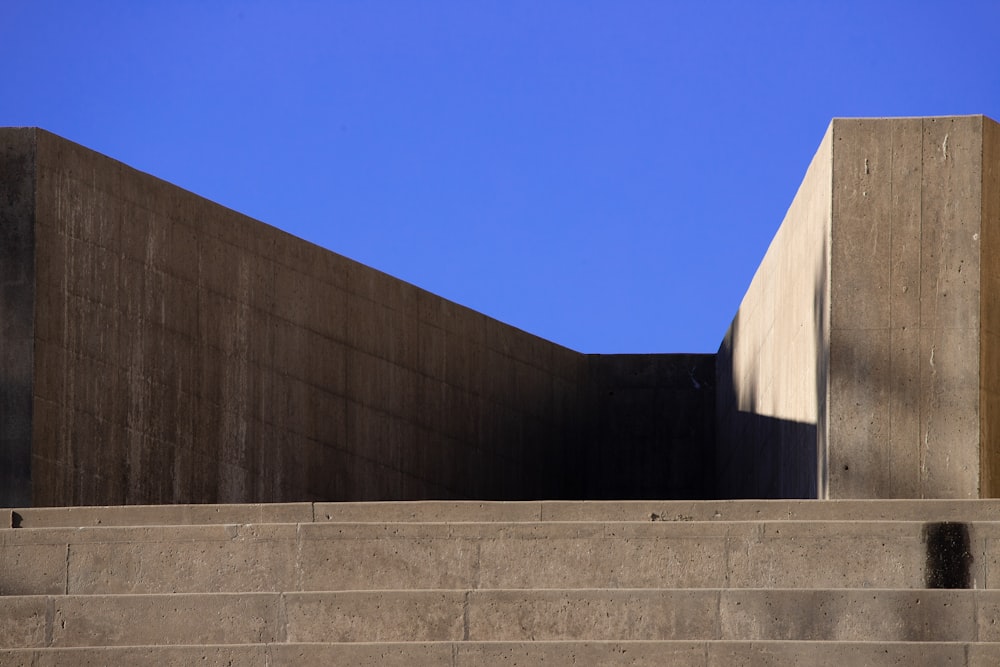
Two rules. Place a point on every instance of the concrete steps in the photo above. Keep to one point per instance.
(700, 583)
(475, 654)
(501, 615)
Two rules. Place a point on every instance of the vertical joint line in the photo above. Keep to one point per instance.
(66, 573)
(465, 616)
(892, 324)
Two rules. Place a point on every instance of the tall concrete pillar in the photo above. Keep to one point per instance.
(865, 358)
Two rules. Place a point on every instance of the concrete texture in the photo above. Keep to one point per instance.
(159, 348)
(638, 402)
(716, 554)
(878, 291)
(431, 511)
(771, 409)
(17, 297)
(639, 653)
(502, 615)
(775, 590)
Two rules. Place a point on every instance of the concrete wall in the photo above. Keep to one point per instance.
(867, 337)
(650, 426)
(169, 350)
(989, 343)
(17, 212)
(772, 364)
(905, 332)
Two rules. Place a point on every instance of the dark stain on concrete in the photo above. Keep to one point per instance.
(949, 555)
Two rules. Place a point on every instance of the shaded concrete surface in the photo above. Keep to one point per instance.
(17, 295)
(180, 352)
(638, 403)
(989, 342)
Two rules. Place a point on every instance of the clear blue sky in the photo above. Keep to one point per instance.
(606, 175)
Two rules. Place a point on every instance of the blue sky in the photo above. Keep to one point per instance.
(606, 175)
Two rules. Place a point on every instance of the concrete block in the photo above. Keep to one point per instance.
(390, 654)
(140, 656)
(32, 569)
(826, 555)
(681, 654)
(772, 510)
(23, 621)
(834, 654)
(163, 515)
(135, 620)
(586, 615)
(987, 616)
(184, 559)
(983, 654)
(589, 562)
(848, 615)
(375, 616)
(428, 511)
(344, 557)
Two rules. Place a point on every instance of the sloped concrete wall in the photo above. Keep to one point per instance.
(771, 384)
(164, 349)
(186, 353)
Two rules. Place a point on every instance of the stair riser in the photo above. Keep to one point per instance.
(474, 654)
(451, 511)
(391, 616)
(289, 557)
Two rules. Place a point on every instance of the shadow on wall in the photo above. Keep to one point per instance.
(650, 427)
(764, 456)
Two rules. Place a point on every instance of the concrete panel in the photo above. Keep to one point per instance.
(849, 615)
(137, 620)
(638, 654)
(789, 556)
(408, 654)
(592, 615)
(218, 558)
(161, 515)
(989, 351)
(375, 616)
(17, 295)
(903, 376)
(23, 621)
(140, 656)
(341, 557)
(835, 654)
(32, 569)
(698, 561)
